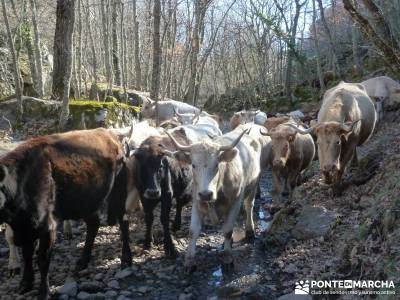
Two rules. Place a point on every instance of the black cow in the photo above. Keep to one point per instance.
(160, 178)
(60, 177)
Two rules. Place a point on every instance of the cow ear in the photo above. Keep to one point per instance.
(3, 172)
(228, 155)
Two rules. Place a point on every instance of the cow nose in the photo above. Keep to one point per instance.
(329, 168)
(278, 163)
(206, 195)
(152, 193)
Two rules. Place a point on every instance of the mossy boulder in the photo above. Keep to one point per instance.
(101, 114)
(100, 90)
(92, 113)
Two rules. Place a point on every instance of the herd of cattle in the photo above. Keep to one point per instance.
(81, 174)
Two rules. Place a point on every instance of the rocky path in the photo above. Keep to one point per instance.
(153, 276)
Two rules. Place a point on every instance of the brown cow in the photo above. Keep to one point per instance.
(291, 154)
(61, 177)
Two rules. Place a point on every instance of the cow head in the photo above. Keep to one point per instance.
(282, 138)
(208, 158)
(186, 118)
(152, 168)
(331, 137)
(148, 109)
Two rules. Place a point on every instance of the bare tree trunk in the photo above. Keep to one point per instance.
(200, 8)
(123, 50)
(38, 51)
(356, 58)
(78, 54)
(290, 56)
(317, 50)
(155, 82)
(63, 51)
(390, 52)
(331, 43)
(138, 71)
(17, 80)
(93, 49)
(63, 47)
(106, 44)
(115, 45)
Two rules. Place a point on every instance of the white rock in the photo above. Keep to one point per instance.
(69, 288)
(113, 284)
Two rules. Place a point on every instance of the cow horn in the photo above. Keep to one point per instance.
(235, 142)
(177, 113)
(301, 131)
(349, 126)
(264, 133)
(177, 144)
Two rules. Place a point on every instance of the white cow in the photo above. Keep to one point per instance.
(226, 172)
(248, 116)
(202, 118)
(166, 109)
(380, 89)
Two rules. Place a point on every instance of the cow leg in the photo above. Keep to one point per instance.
(286, 190)
(176, 225)
(149, 218)
(26, 283)
(92, 227)
(194, 231)
(13, 260)
(276, 192)
(126, 257)
(67, 230)
(227, 229)
(46, 242)
(166, 204)
(354, 161)
(248, 207)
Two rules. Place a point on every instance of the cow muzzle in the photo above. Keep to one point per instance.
(152, 194)
(330, 173)
(278, 163)
(206, 195)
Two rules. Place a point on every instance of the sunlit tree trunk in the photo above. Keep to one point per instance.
(17, 77)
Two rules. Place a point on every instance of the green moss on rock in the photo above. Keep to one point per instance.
(102, 114)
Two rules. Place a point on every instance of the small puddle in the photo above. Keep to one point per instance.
(216, 279)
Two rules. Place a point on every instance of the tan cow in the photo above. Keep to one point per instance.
(346, 120)
(291, 154)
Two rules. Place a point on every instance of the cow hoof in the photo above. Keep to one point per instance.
(14, 272)
(190, 269)
(228, 267)
(80, 265)
(250, 237)
(25, 287)
(44, 294)
(175, 226)
(67, 235)
(126, 263)
(171, 253)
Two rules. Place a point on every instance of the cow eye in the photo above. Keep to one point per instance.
(338, 142)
